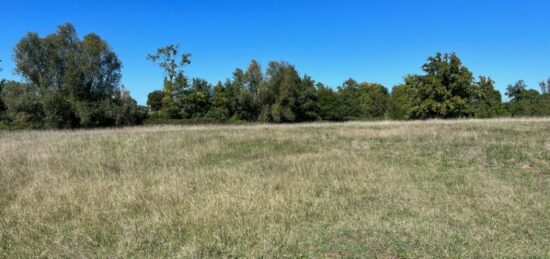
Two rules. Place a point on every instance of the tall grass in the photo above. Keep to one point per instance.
(470, 188)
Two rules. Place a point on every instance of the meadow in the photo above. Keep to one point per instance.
(458, 188)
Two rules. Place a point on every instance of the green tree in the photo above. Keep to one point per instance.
(175, 81)
(233, 91)
(218, 108)
(331, 105)
(279, 94)
(126, 111)
(487, 101)
(2, 106)
(445, 91)
(351, 98)
(247, 106)
(401, 101)
(363, 100)
(58, 111)
(544, 86)
(23, 105)
(307, 106)
(523, 101)
(374, 100)
(542, 106)
(195, 102)
(253, 80)
(544, 99)
(154, 100)
(70, 77)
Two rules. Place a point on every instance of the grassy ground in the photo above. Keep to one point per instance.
(387, 189)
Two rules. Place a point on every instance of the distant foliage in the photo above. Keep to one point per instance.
(71, 82)
(68, 83)
(527, 102)
(278, 95)
(447, 89)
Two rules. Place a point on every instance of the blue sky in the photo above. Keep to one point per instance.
(375, 41)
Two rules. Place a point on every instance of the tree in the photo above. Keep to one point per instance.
(307, 107)
(218, 108)
(247, 108)
(253, 77)
(544, 86)
(401, 101)
(363, 100)
(544, 99)
(331, 105)
(487, 101)
(101, 70)
(2, 106)
(154, 100)
(523, 101)
(174, 79)
(374, 100)
(280, 93)
(127, 112)
(542, 105)
(253, 80)
(58, 111)
(70, 77)
(516, 91)
(23, 105)
(194, 103)
(233, 92)
(351, 98)
(445, 91)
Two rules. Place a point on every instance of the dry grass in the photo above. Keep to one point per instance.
(471, 188)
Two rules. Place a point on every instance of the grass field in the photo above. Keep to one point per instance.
(466, 188)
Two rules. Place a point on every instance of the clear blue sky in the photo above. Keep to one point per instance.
(375, 41)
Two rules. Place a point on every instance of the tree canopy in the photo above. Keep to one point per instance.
(71, 82)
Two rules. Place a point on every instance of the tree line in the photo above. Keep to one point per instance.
(69, 82)
(446, 89)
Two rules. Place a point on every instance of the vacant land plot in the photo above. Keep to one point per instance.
(388, 189)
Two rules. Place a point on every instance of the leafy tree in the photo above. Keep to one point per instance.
(374, 100)
(280, 93)
(175, 81)
(70, 77)
(544, 99)
(544, 86)
(2, 106)
(247, 107)
(523, 101)
(307, 106)
(542, 106)
(58, 111)
(253, 80)
(23, 105)
(401, 101)
(363, 100)
(516, 91)
(351, 98)
(101, 70)
(233, 91)
(195, 102)
(331, 105)
(127, 112)
(445, 91)
(487, 101)
(154, 100)
(218, 108)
